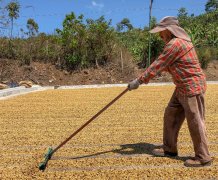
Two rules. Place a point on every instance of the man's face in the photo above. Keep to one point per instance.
(165, 35)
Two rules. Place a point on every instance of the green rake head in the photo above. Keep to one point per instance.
(42, 165)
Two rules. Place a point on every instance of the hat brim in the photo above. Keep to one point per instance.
(179, 32)
(174, 29)
(157, 29)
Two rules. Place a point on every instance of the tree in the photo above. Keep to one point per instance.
(211, 5)
(73, 40)
(13, 9)
(100, 41)
(182, 16)
(33, 27)
(124, 24)
(85, 44)
(182, 12)
(153, 22)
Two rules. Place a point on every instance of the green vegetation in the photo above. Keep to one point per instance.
(203, 30)
(32, 26)
(85, 44)
(82, 43)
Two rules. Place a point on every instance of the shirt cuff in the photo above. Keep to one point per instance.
(142, 80)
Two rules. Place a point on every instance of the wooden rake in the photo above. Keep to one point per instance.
(50, 152)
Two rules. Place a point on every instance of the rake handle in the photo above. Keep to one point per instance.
(90, 120)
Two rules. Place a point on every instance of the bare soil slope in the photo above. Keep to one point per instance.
(48, 74)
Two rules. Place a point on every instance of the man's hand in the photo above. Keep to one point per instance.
(134, 84)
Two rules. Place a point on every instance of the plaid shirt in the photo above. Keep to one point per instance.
(180, 60)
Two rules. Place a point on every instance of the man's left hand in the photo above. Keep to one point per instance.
(133, 84)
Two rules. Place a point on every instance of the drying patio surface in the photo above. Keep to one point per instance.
(116, 145)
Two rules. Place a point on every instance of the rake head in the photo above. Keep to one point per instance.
(47, 157)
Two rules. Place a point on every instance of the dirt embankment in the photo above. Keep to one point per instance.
(48, 74)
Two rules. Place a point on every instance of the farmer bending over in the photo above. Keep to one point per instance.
(180, 60)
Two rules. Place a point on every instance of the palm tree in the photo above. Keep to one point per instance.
(32, 26)
(125, 23)
(13, 9)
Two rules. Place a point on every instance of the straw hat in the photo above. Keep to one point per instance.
(172, 24)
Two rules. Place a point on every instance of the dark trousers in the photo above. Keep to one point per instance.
(193, 109)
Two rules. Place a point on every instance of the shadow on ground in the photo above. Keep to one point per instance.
(126, 150)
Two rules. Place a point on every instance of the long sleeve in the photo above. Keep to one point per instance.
(168, 56)
(180, 59)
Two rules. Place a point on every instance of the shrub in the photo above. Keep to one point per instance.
(205, 56)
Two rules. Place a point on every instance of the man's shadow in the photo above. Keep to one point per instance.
(129, 149)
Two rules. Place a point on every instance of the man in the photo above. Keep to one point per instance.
(180, 60)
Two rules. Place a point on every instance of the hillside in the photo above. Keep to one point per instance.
(48, 74)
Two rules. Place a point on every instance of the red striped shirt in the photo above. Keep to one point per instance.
(179, 58)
